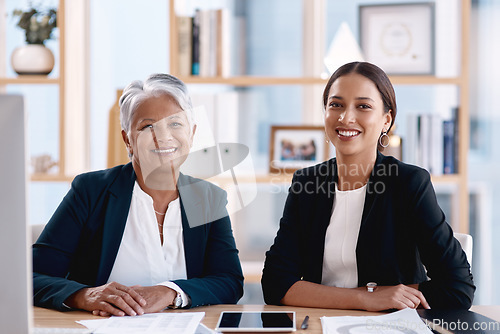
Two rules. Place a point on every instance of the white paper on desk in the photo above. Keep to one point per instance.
(404, 321)
(185, 323)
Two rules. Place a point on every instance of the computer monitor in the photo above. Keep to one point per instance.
(15, 255)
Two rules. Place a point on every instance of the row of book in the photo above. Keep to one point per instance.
(204, 43)
(432, 143)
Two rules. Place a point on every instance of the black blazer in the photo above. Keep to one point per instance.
(78, 247)
(402, 228)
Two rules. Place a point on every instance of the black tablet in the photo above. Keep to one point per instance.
(251, 321)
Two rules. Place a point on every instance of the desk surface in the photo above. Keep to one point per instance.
(50, 318)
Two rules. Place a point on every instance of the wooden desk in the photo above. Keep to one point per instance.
(51, 318)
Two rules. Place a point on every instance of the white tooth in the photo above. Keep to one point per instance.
(165, 151)
(348, 133)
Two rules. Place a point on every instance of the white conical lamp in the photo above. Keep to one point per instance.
(343, 49)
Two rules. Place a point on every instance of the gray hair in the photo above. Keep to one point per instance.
(154, 86)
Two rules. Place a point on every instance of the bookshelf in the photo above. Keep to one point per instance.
(59, 81)
(460, 219)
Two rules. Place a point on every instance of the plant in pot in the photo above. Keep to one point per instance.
(34, 58)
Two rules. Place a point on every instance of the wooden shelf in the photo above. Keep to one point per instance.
(253, 80)
(30, 79)
(51, 178)
(450, 178)
(243, 81)
(424, 80)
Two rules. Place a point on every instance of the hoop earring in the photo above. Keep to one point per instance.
(380, 140)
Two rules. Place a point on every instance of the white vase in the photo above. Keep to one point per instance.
(32, 59)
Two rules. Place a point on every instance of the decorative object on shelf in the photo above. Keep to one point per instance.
(34, 58)
(42, 164)
(343, 49)
(295, 147)
(398, 37)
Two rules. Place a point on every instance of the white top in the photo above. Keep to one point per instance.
(339, 262)
(142, 259)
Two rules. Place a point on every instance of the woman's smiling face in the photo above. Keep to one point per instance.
(160, 136)
(355, 116)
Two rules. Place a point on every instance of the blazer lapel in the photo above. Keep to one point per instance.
(366, 257)
(119, 199)
(324, 204)
(194, 236)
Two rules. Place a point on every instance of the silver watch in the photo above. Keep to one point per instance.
(177, 301)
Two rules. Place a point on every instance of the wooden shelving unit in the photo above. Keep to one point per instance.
(47, 80)
(461, 81)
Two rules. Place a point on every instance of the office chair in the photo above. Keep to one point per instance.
(466, 243)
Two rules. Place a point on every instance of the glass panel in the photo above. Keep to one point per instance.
(41, 105)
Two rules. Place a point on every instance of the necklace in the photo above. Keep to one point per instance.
(161, 228)
(159, 213)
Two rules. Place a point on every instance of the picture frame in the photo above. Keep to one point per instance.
(399, 38)
(296, 147)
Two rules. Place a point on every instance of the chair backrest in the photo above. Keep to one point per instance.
(117, 154)
(36, 230)
(466, 243)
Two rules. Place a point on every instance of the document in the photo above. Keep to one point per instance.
(175, 323)
(403, 321)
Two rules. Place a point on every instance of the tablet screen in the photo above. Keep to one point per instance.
(267, 321)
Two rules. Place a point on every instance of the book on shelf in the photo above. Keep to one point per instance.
(195, 41)
(449, 146)
(185, 33)
(223, 30)
(431, 143)
(205, 43)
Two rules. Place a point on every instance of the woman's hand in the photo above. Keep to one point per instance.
(393, 297)
(109, 299)
(157, 297)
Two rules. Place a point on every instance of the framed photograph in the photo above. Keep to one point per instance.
(399, 38)
(295, 147)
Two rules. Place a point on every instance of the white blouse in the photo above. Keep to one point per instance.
(339, 262)
(142, 259)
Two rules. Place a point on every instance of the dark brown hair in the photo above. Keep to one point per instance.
(376, 75)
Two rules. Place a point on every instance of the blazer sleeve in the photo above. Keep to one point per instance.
(221, 279)
(55, 248)
(451, 283)
(282, 267)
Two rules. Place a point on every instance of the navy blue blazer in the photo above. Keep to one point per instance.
(78, 247)
(402, 229)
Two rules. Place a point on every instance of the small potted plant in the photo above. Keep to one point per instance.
(34, 58)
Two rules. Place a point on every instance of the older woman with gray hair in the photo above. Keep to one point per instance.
(141, 237)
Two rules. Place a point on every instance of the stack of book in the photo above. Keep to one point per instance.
(432, 143)
(204, 43)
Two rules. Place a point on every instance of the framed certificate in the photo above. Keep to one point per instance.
(399, 38)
